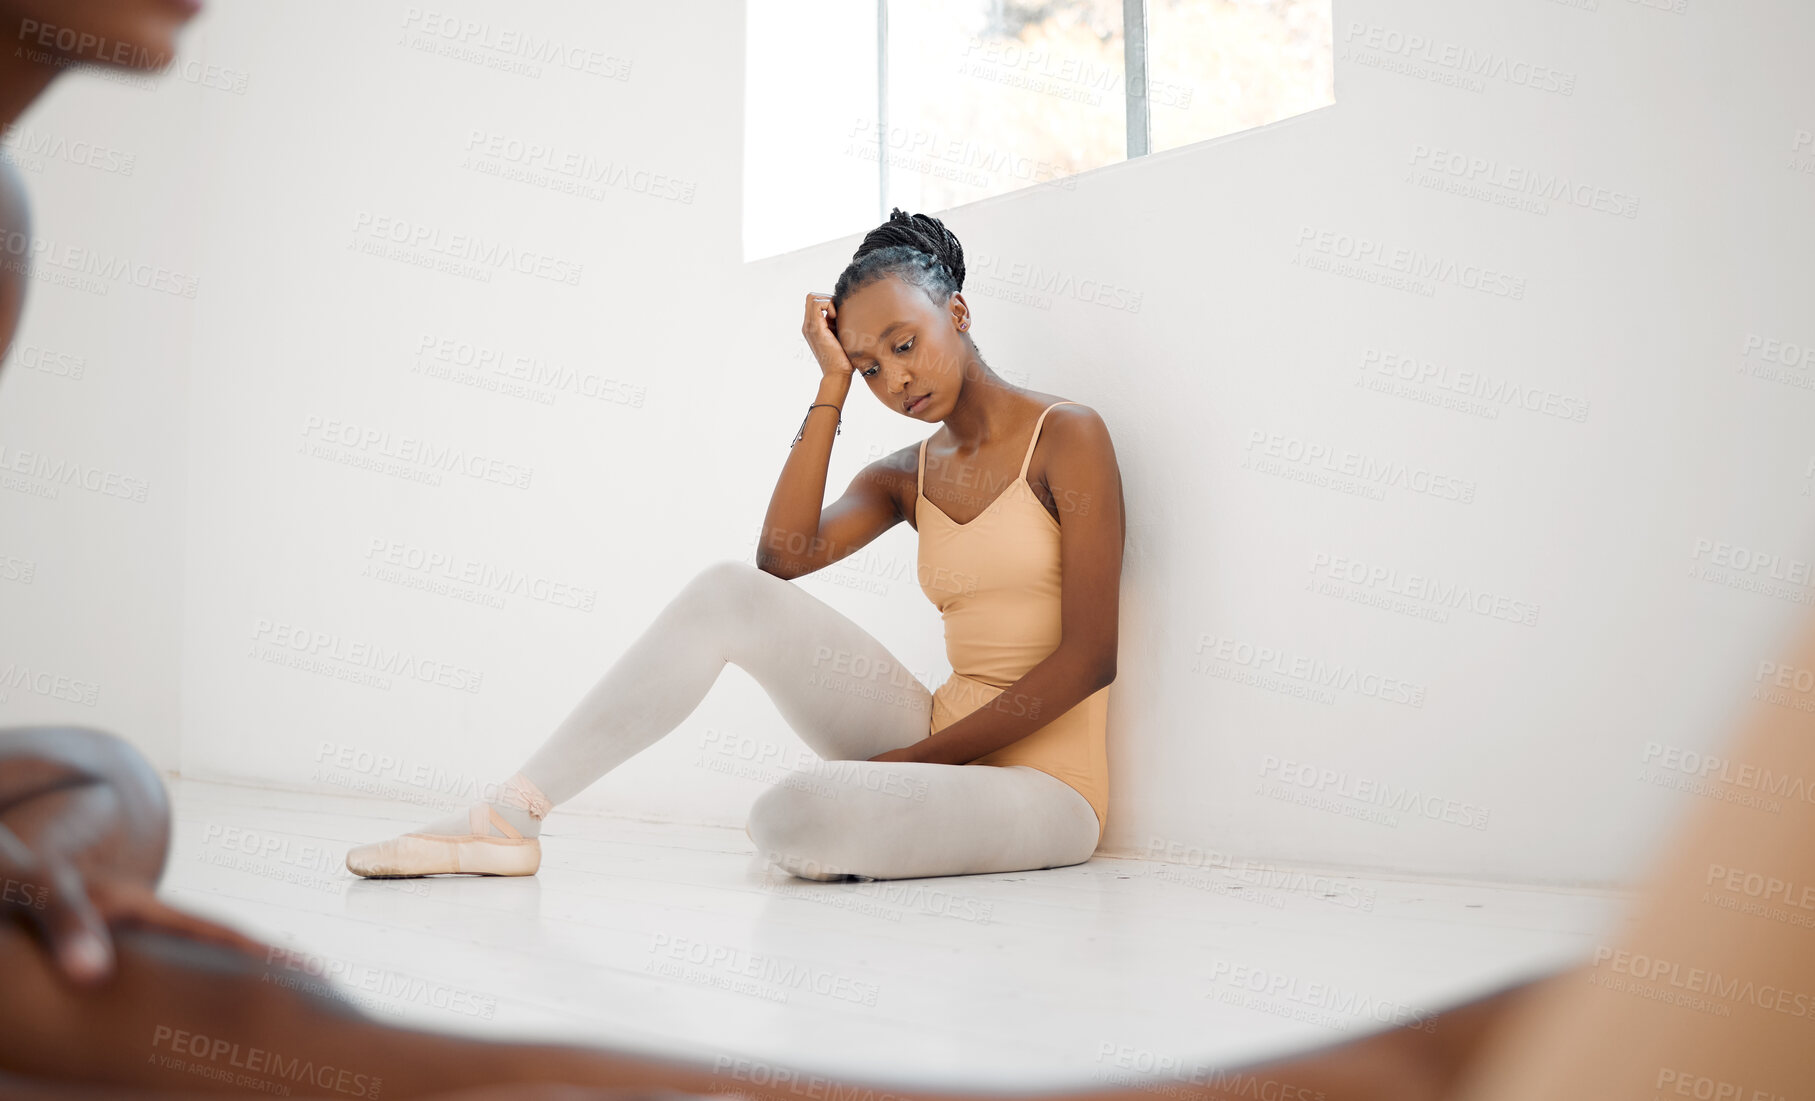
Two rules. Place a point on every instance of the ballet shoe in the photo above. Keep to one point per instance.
(479, 852)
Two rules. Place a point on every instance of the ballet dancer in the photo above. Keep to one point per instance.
(84, 828)
(1020, 535)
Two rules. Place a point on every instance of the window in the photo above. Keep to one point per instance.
(856, 106)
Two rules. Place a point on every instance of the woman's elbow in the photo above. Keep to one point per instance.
(1105, 672)
(775, 566)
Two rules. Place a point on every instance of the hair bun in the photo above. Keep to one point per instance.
(917, 247)
(920, 231)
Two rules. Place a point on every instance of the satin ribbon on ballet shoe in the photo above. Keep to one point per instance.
(521, 793)
(491, 847)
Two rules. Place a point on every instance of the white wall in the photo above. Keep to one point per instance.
(353, 134)
(93, 405)
(1660, 326)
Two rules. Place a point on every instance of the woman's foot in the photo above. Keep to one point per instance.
(487, 845)
(495, 838)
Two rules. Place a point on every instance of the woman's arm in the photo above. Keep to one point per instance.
(1086, 486)
(1709, 989)
(793, 541)
(868, 508)
(1057, 684)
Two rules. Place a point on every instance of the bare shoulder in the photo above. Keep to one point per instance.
(1077, 467)
(1074, 447)
(1077, 429)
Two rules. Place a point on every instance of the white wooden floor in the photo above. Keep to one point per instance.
(679, 940)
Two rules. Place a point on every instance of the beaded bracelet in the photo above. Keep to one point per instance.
(839, 428)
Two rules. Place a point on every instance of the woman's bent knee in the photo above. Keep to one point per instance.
(780, 818)
(725, 583)
(730, 571)
(101, 754)
(793, 831)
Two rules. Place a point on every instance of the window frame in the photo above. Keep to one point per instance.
(1137, 125)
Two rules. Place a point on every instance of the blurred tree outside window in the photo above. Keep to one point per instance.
(853, 108)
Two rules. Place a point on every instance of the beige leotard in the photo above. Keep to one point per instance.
(995, 581)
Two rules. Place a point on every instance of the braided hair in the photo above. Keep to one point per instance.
(914, 247)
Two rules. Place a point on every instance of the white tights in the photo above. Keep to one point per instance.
(848, 699)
